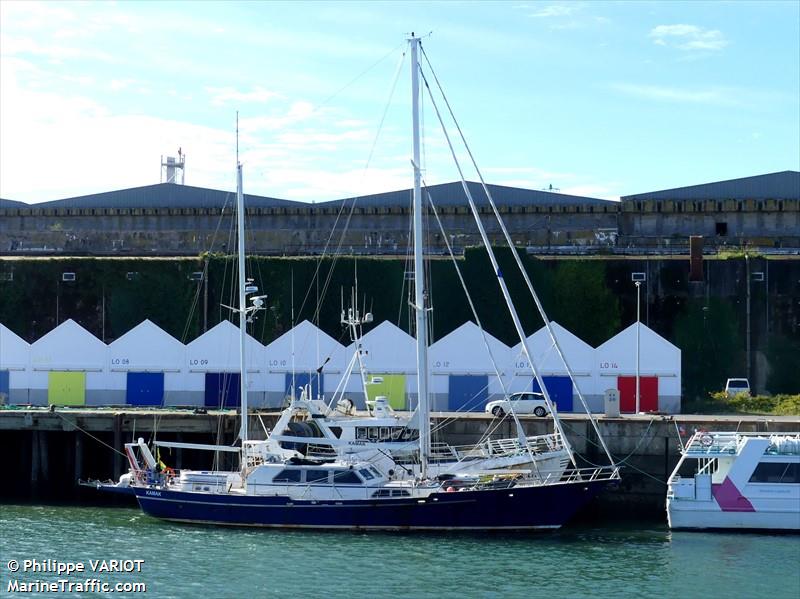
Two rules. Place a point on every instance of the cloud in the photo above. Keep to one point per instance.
(230, 95)
(120, 84)
(90, 147)
(688, 37)
(13, 46)
(298, 112)
(554, 10)
(714, 96)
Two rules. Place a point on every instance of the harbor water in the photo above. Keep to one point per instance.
(631, 560)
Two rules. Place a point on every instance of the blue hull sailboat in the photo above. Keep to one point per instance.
(278, 487)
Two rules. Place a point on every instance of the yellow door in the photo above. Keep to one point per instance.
(66, 388)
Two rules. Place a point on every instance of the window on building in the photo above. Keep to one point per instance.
(722, 229)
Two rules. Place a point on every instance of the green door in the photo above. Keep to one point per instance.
(393, 387)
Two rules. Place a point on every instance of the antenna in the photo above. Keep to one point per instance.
(173, 170)
(237, 137)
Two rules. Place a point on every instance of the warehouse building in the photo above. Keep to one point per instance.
(147, 367)
(173, 219)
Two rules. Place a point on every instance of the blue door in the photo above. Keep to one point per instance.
(301, 379)
(467, 393)
(560, 390)
(145, 389)
(5, 393)
(222, 390)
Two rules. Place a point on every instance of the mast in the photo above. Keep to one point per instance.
(242, 293)
(419, 273)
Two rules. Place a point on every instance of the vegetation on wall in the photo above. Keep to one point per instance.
(594, 299)
(784, 364)
(708, 335)
(743, 403)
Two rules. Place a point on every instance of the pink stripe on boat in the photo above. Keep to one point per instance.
(730, 499)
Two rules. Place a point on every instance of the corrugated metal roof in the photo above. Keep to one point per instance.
(452, 194)
(162, 195)
(170, 195)
(12, 204)
(782, 185)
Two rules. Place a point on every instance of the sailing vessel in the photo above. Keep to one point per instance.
(278, 487)
(323, 429)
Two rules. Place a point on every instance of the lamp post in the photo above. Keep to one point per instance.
(747, 308)
(638, 326)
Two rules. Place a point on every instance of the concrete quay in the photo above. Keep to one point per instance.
(52, 449)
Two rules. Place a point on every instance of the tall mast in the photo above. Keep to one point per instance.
(419, 273)
(242, 291)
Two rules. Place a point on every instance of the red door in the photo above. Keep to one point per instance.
(648, 393)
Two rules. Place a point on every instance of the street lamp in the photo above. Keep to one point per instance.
(638, 326)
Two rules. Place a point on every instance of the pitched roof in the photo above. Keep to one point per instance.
(12, 204)
(781, 185)
(452, 194)
(160, 195)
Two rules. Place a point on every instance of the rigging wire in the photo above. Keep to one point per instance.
(84, 431)
(498, 274)
(477, 321)
(517, 259)
(623, 461)
(337, 252)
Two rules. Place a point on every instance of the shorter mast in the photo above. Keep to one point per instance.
(242, 295)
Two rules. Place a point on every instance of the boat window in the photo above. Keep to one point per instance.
(314, 429)
(397, 433)
(391, 493)
(410, 434)
(346, 477)
(385, 434)
(290, 475)
(776, 472)
(373, 433)
(316, 476)
(361, 433)
(375, 472)
(337, 431)
(366, 474)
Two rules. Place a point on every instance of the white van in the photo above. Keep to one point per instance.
(737, 386)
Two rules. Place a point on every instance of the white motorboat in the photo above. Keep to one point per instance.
(736, 480)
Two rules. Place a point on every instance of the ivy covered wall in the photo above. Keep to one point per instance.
(594, 298)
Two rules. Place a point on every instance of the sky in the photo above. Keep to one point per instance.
(602, 99)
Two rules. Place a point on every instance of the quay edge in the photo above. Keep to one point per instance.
(56, 447)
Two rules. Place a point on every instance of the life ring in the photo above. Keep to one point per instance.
(706, 440)
(169, 472)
